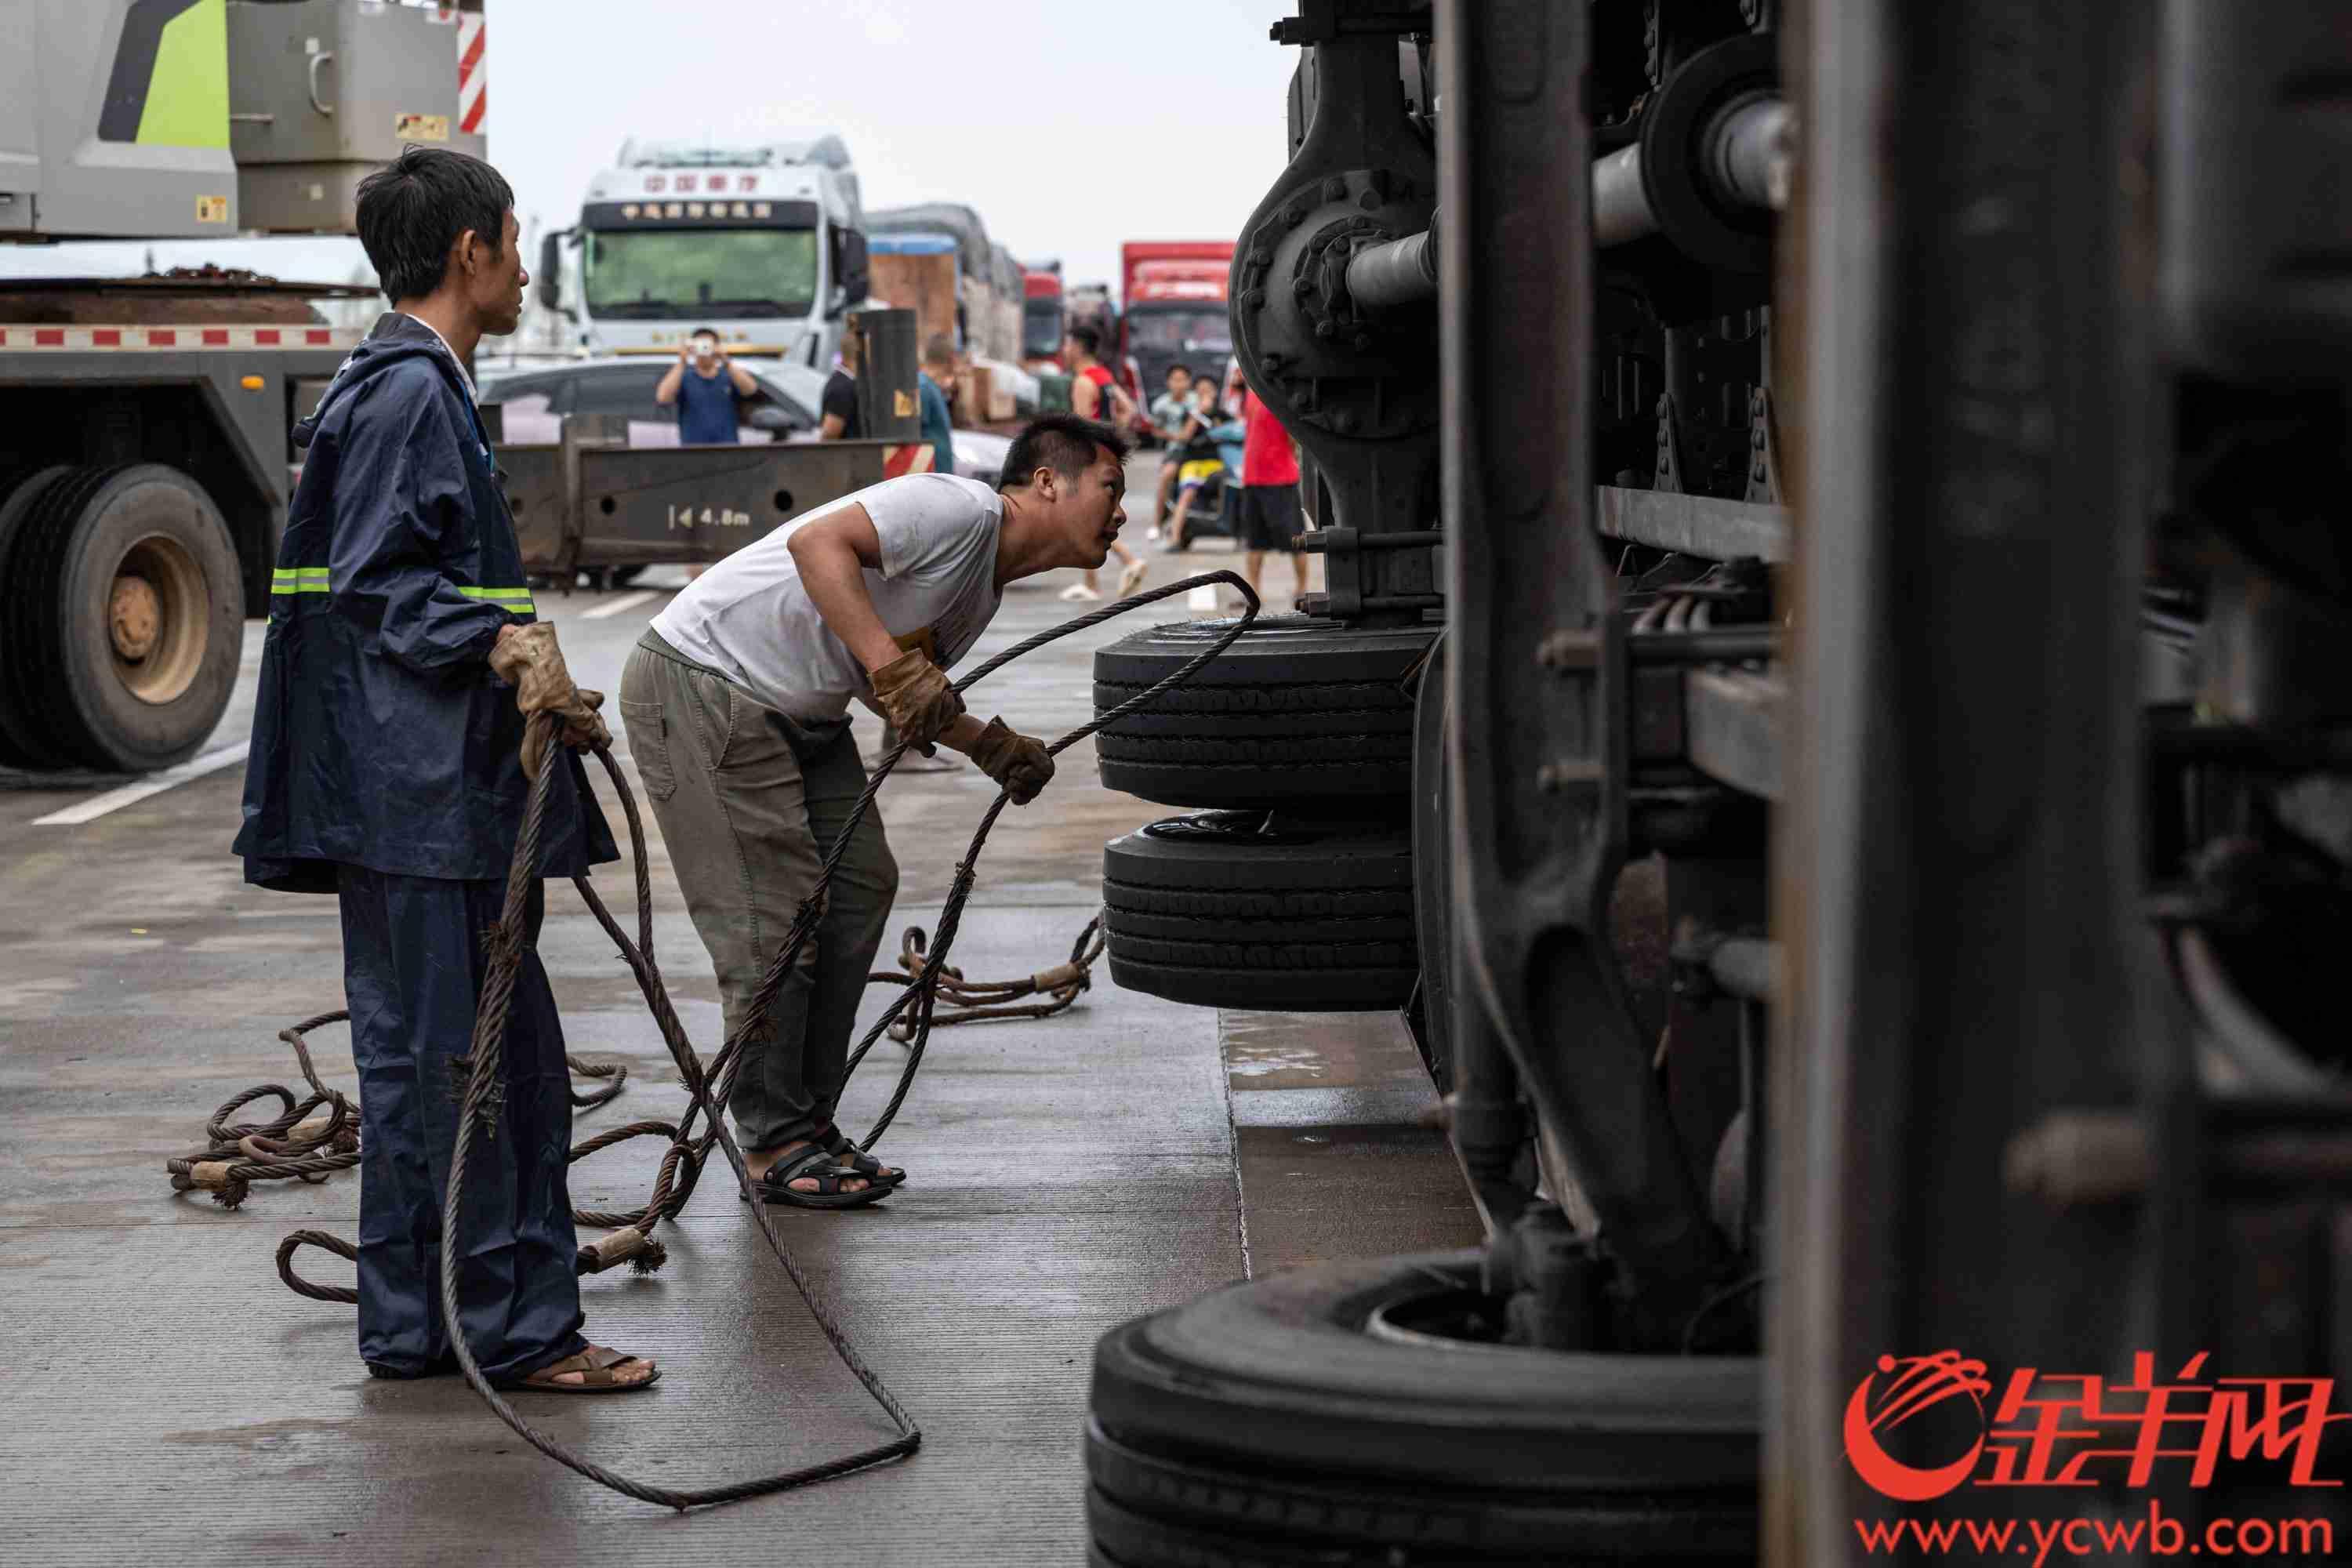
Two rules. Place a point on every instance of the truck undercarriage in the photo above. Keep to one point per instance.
(1824, 715)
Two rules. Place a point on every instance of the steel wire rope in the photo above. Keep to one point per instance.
(484, 1090)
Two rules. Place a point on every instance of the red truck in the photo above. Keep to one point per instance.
(1173, 295)
(1040, 320)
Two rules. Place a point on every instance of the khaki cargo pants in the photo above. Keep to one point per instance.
(750, 803)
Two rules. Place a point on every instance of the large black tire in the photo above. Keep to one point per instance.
(1298, 708)
(1262, 1422)
(21, 741)
(1232, 909)
(78, 548)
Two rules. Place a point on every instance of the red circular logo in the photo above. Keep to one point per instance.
(1903, 1389)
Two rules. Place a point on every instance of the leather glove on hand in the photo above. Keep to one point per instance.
(528, 658)
(1017, 762)
(914, 695)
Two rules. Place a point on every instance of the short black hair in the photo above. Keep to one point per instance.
(939, 349)
(703, 332)
(1065, 443)
(1174, 368)
(412, 209)
(1088, 338)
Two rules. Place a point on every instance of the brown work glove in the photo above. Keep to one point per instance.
(527, 658)
(914, 695)
(1019, 763)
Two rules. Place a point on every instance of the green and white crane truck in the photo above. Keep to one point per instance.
(146, 460)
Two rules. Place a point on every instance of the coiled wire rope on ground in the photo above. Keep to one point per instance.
(300, 1144)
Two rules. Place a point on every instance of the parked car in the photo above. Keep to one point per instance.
(980, 455)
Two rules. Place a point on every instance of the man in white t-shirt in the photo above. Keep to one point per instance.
(736, 704)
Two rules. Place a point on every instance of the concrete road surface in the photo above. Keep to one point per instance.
(169, 1400)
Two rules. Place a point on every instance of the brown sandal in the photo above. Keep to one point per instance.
(597, 1366)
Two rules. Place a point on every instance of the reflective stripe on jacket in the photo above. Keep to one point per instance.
(379, 737)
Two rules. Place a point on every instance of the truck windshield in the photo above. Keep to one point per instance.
(679, 272)
(1041, 328)
(1188, 330)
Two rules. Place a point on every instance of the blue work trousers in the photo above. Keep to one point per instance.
(413, 966)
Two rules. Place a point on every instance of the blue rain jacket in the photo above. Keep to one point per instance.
(381, 739)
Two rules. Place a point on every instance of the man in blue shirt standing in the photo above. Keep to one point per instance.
(390, 766)
(704, 384)
(938, 379)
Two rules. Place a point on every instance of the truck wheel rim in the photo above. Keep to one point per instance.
(156, 619)
(1451, 1316)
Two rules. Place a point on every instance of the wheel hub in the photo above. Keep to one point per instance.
(158, 619)
(134, 614)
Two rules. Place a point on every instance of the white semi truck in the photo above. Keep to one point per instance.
(763, 244)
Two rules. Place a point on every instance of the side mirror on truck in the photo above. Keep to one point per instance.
(850, 266)
(548, 282)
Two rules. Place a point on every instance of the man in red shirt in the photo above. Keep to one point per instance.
(1269, 492)
(1095, 394)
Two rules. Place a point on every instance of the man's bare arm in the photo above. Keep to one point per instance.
(744, 386)
(833, 554)
(665, 390)
(830, 428)
(1085, 397)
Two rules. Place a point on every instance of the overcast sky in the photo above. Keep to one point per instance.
(1071, 125)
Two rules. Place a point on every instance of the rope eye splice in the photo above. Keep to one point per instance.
(298, 1145)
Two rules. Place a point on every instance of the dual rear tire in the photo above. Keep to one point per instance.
(1244, 909)
(1294, 893)
(119, 647)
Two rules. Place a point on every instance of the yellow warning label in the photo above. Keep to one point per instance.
(420, 126)
(212, 209)
(902, 404)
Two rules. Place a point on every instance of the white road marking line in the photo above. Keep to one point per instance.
(97, 805)
(624, 603)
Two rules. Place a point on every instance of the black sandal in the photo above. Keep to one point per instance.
(814, 1163)
(836, 1142)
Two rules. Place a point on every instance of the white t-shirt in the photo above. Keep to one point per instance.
(748, 617)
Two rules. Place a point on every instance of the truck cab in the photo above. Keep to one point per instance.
(1174, 294)
(1041, 320)
(765, 245)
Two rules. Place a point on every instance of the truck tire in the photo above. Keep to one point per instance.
(1265, 1420)
(20, 737)
(1298, 708)
(1235, 908)
(127, 651)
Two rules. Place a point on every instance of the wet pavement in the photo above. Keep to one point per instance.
(171, 1399)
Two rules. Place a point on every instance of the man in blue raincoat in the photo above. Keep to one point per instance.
(387, 768)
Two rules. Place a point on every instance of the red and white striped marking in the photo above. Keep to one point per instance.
(473, 76)
(84, 337)
(913, 458)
